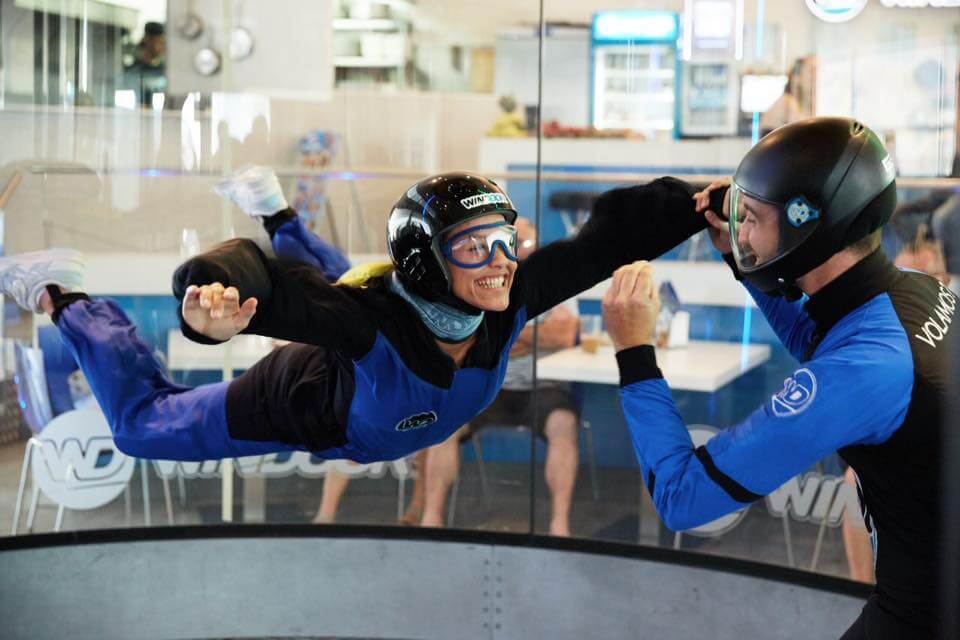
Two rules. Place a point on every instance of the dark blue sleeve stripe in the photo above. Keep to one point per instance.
(736, 490)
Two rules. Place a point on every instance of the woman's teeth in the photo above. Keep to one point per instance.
(492, 283)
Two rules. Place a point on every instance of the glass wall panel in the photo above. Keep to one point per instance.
(119, 120)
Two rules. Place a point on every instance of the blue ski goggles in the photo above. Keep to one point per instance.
(474, 248)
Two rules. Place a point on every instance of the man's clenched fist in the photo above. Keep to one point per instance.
(631, 306)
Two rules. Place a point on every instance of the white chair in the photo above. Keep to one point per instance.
(35, 403)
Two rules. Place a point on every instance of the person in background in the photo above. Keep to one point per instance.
(930, 225)
(146, 74)
(945, 224)
(929, 228)
(856, 540)
(788, 107)
(924, 255)
(508, 124)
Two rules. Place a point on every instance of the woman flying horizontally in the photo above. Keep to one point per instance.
(392, 363)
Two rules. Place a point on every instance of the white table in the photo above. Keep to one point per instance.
(699, 366)
(241, 352)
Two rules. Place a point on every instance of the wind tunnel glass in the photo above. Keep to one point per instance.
(762, 231)
(474, 247)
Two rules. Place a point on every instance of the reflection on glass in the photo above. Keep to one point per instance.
(145, 64)
(189, 244)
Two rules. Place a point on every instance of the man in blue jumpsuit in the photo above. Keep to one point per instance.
(807, 204)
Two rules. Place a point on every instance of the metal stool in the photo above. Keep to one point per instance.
(35, 401)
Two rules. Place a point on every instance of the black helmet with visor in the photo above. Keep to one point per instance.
(804, 192)
(418, 224)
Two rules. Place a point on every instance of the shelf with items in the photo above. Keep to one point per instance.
(632, 72)
(360, 62)
(371, 48)
(367, 24)
(632, 96)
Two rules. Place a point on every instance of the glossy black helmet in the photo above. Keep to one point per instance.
(418, 221)
(804, 192)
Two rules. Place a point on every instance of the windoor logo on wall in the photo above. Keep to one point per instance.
(836, 10)
(78, 464)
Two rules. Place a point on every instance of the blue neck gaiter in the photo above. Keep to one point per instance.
(446, 323)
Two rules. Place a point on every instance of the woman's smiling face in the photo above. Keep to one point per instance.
(486, 287)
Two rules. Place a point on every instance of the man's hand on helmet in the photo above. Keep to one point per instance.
(719, 228)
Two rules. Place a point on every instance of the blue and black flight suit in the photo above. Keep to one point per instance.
(367, 380)
(873, 347)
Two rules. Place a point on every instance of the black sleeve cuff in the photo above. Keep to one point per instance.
(637, 364)
(277, 220)
(62, 300)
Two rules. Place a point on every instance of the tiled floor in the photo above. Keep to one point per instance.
(294, 499)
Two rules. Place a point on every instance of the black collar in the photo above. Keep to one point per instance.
(865, 280)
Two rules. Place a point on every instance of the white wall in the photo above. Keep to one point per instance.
(434, 57)
(292, 54)
(16, 48)
(871, 67)
(145, 176)
(566, 72)
(883, 68)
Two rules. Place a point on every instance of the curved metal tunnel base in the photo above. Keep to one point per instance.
(375, 582)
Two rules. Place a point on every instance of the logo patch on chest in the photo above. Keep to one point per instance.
(418, 421)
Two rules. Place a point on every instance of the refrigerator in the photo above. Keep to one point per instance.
(634, 70)
(708, 98)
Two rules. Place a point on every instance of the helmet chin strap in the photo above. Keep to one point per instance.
(790, 292)
(447, 323)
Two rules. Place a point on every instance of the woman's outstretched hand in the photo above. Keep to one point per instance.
(215, 311)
